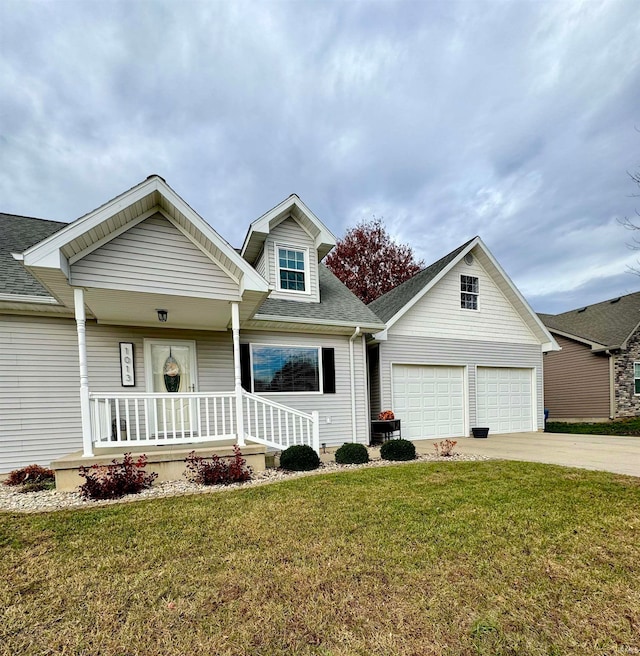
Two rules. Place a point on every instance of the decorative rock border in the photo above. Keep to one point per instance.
(51, 500)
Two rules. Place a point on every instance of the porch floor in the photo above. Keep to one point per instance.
(166, 460)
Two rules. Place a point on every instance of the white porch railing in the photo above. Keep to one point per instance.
(164, 418)
(277, 425)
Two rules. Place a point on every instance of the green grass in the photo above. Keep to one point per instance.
(439, 558)
(616, 427)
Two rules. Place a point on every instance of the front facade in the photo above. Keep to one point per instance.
(596, 375)
(140, 326)
(462, 349)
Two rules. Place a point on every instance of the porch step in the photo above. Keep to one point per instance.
(166, 461)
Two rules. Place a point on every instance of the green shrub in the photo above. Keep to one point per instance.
(35, 476)
(398, 450)
(299, 457)
(352, 454)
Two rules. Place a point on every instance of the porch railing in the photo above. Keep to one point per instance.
(278, 425)
(164, 418)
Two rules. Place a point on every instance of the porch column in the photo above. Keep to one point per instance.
(85, 408)
(235, 329)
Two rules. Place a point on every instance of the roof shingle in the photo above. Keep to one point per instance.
(609, 323)
(17, 234)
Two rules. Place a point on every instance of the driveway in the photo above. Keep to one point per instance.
(620, 455)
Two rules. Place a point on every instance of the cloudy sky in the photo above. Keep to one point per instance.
(517, 121)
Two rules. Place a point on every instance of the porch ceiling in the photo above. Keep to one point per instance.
(139, 309)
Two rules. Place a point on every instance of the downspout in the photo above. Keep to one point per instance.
(353, 386)
(612, 386)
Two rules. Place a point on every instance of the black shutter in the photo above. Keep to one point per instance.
(245, 366)
(328, 371)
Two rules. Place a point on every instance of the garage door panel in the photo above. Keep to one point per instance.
(432, 405)
(504, 399)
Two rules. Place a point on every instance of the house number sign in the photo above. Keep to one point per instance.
(127, 368)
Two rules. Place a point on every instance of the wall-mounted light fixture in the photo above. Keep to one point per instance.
(162, 316)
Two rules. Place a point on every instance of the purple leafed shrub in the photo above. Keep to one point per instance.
(30, 474)
(117, 479)
(217, 470)
(445, 449)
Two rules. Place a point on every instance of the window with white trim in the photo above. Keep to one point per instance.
(469, 291)
(291, 269)
(285, 369)
(636, 377)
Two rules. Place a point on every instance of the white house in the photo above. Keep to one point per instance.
(138, 328)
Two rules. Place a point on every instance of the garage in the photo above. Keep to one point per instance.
(504, 399)
(429, 400)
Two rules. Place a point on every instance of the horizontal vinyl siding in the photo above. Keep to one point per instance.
(40, 406)
(154, 256)
(39, 402)
(336, 407)
(290, 233)
(438, 314)
(400, 349)
(576, 382)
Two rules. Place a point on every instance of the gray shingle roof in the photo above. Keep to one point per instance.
(337, 303)
(389, 304)
(608, 323)
(17, 233)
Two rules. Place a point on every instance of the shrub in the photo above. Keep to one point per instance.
(445, 449)
(352, 454)
(217, 470)
(398, 450)
(299, 457)
(117, 479)
(34, 476)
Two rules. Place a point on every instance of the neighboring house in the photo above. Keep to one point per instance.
(596, 375)
(138, 328)
(461, 349)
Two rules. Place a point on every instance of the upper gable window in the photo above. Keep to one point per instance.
(292, 269)
(469, 290)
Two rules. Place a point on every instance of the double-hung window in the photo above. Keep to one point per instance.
(469, 291)
(286, 368)
(291, 269)
(636, 377)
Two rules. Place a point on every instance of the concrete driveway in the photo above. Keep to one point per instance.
(620, 455)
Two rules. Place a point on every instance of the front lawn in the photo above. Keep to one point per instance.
(616, 427)
(441, 558)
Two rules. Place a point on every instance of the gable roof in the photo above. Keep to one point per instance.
(17, 234)
(323, 238)
(608, 324)
(393, 301)
(394, 304)
(338, 305)
(152, 195)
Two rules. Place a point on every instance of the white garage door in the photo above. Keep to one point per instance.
(429, 401)
(505, 402)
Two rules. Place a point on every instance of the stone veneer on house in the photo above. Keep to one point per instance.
(627, 403)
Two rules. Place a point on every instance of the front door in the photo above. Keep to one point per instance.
(170, 367)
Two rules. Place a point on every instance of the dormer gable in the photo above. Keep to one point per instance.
(285, 246)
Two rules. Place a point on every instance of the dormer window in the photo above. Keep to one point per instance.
(292, 269)
(469, 290)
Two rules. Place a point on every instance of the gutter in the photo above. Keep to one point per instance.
(353, 385)
(612, 387)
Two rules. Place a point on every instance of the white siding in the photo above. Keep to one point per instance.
(154, 256)
(438, 313)
(40, 407)
(291, 233)
(335, 408)
(261, 266)
(400, 349)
